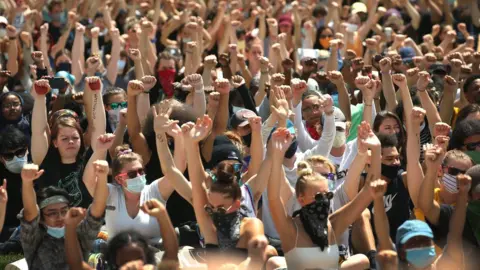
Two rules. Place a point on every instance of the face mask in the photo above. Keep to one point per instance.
(16, 164)
(351, 27)
(292, 149)
(3, 32)
(136, 185)
(314, 218)
(65, 66)
(325, 42)
(59, 17)
(247, 139)
(114, 117)
(320, 23)
(421, 257)
(167, 77)
(340, 139)
(104, 32)
(390, 171)
(186, 40)
(228, 228)
(56, 232)
(473, 218)
(5, 56)
(474, 155)
(450, 183)
(121, 64)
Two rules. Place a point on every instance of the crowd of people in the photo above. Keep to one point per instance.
(238, 134)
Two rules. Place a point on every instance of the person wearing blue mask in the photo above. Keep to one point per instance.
(43, 218)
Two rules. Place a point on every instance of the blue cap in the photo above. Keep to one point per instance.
(407, 53)
(290, 127)
(66, 75)
(412, 228)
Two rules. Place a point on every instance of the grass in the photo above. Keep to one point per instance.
(6, 259)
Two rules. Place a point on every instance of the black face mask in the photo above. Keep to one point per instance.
(64, 67)
(228, 228)
(247, 139)
(314, 218)
(292, 149)
(390, 171)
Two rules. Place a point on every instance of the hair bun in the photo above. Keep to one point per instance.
(304, 169)
(122, 150)
(226, 173)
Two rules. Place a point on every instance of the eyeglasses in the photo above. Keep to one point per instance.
(453, 171)
(472, 146)
(56, 214)
(314, 107)
(11, 105)
(216, 210)
(133, 173)
(19, 153)
(116, 105)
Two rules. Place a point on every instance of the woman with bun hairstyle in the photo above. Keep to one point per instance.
(309, 238)
(225, 224)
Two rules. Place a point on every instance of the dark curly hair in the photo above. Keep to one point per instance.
(123, 239)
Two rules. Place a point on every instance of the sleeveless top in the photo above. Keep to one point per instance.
(301, 258)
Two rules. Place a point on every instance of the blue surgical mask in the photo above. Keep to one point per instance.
(16, 164)
(56, 232)
(59, 17)
(121, 64)
(136, 185)
(421, 257)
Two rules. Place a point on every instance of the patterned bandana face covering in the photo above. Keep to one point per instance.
(314, 217)
(228, 227)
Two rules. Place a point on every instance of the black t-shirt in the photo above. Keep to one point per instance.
(397, 204)
(440, 231)
(14, 190)
(66, 176)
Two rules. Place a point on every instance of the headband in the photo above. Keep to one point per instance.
(53, 200)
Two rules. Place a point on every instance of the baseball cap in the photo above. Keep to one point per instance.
(407, 53)
(285, 19)
(3, 20)
(240, 118)
(410, 229)
(358, 7)
(312, 85)
(66, 75)
(224, 149)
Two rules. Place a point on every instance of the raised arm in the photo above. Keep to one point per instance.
(336, 78)
(3, 202)
(280, 141)
(78, 60)
(29, 174)
(162, 127)
(143, 99)
(325, 143)
(193, 134)
(41, 140)
(138, 141)
(97, 121)
(102, 144)
(112, 68)
(345, 216)
(387, 84)
(62, 41)
(99, 203)
(199, 102)
(12, 63)
(382, 227)
(170, 242)
(256, 148)
(433, 158)
(433, 116)
(453, 253)
(73, 250)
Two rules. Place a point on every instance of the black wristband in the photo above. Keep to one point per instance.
(41, 72)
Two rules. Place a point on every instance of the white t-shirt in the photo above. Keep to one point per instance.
(117, 219)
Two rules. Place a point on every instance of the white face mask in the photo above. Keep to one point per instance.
(16, 164)
(340, 139)
(3, 32)
(114, 117)
(450, 183)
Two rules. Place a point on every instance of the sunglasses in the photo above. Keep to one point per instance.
(321, 196)
(218, 210)
(133, 173)
(326, 36)
(329, 176)
(472, 146)
(19, 153)
(116, 105)
(453, 171)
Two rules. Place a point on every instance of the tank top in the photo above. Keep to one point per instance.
(247, 201)
(312, 257)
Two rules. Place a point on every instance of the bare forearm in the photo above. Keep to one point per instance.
(29, 199)
(119, 134)
(382, 227)
(143, 107)
(389, 92)
(12, 63)
(169, 237)
(73, 253)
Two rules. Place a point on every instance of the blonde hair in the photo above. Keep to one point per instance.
(322, 160)
(305, 175)
(123, 155)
